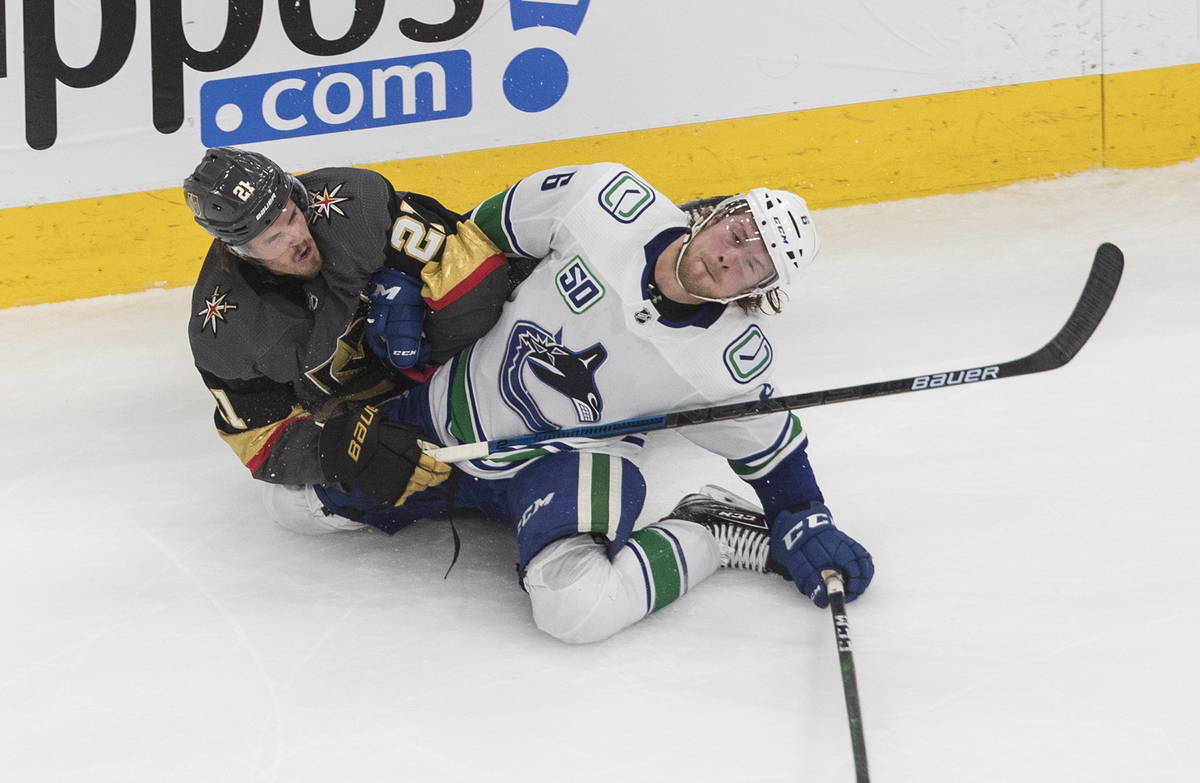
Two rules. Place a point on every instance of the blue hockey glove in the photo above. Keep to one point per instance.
(807, 543)
(395, 318)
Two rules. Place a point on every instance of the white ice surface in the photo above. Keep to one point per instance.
(1035, 617)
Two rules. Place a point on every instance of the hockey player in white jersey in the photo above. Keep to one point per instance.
(629, 309)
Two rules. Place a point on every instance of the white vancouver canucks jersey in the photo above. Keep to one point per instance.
(581, 342)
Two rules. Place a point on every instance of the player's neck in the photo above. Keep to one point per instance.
(664, 275)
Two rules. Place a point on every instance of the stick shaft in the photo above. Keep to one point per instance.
(1093, 302)
(841, 630)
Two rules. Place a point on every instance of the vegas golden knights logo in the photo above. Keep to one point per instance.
(347, 361)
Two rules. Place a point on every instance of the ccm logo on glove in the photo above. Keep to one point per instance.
(395, 319)
(387, 292)
(805, 524)
(806, 542)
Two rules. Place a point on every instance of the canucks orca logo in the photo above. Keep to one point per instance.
(570, 373)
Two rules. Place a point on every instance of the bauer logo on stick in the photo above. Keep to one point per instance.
(973, 375)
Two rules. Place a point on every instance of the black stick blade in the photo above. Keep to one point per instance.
(1097, 295)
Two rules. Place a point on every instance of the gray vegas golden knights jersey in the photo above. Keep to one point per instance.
(279, 354)
(582, 343)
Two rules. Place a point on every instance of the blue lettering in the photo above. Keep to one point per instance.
(349, 96)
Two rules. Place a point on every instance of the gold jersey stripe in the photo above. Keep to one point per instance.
(465, 257)
(254, 446)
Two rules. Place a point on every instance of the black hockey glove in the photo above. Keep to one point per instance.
(377, 457)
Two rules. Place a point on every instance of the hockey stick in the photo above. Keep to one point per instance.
(1093, 302)
(841, 630)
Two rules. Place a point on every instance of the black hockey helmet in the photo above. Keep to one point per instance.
(236, 194)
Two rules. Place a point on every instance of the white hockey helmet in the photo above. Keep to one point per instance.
(784, 226)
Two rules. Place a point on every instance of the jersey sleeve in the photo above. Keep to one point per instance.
(464, 274)
(769, 453)
(267, 429)
(524, 219)
(753, 446)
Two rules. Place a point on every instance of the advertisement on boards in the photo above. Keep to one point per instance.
(116, 96)
(112, 89)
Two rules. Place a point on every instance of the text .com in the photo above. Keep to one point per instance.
(347, 96)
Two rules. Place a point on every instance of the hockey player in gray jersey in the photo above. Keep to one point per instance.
(629, 309)
(320, 295)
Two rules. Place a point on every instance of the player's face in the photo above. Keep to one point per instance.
(726, 259)
(287, 246)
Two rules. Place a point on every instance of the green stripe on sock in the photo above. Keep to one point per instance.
(460, 400)
(489, 216)
(663, 565)
(601, 465)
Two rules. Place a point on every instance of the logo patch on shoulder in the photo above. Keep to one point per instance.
(626, 197)
(578, 287)
(215, 308)
(325, 203)
(748, 356)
